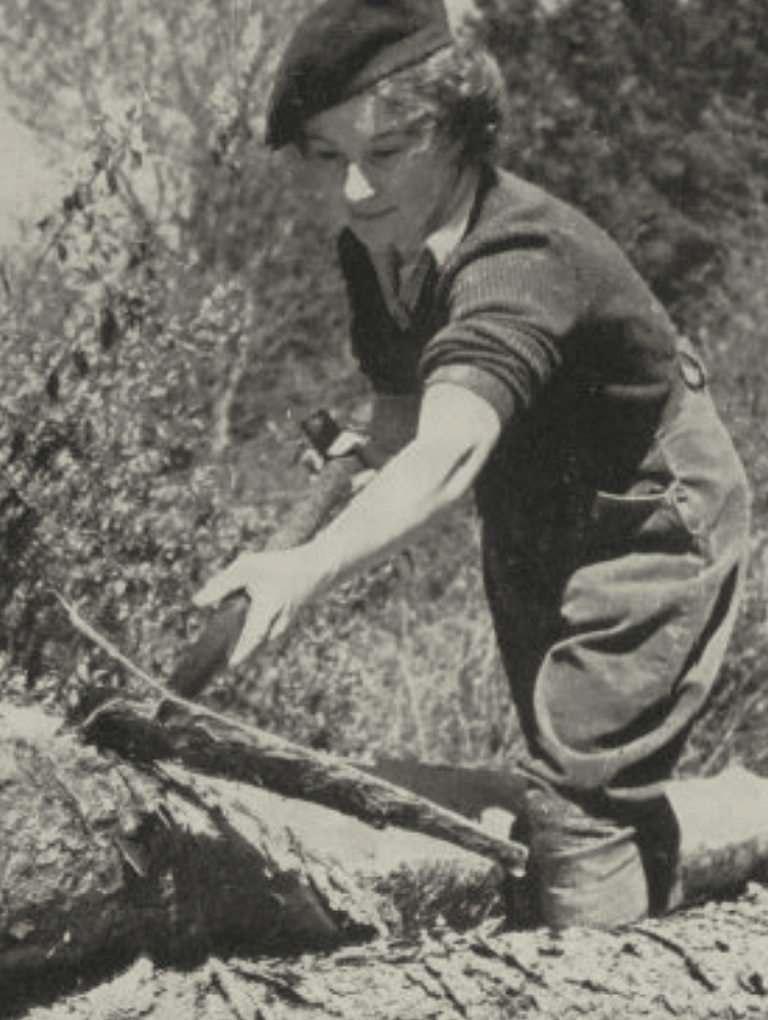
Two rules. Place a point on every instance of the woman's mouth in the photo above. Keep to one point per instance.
(367, 216)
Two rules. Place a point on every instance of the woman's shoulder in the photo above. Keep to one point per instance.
(512, 207)
(514, 218)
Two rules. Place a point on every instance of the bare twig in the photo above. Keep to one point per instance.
(90, 632)
(694, 967)
(238, 365)
(411, 684)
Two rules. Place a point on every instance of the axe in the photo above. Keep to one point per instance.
(210, 653)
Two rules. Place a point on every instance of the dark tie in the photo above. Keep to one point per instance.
(414, 279)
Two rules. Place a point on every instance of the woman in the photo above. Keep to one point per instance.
(546, 377)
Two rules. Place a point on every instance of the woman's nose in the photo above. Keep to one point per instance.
(357, 187)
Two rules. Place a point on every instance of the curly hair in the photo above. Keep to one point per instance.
(460, 90)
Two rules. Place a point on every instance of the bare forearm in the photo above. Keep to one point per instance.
(457, 431)
(405, 495)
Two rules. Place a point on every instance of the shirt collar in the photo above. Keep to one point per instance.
(446, 238)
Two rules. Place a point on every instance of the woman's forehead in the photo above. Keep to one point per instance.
(362, 117)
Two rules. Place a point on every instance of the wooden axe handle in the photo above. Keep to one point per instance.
(210, 653)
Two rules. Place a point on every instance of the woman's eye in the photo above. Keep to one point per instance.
(327, 156)
(384, 155)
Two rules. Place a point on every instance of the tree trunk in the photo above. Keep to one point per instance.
(709, 963)
(103, 858)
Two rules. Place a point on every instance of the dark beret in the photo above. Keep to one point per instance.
(341, 48)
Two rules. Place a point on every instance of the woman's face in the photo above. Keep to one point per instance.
(391, 181)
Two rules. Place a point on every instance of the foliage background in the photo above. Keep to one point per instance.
(171, 317)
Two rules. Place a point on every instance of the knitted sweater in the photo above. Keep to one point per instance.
(539, 312)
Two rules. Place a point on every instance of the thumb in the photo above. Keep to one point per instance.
(220, 585)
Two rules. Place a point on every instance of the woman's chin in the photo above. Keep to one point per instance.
(372, 234)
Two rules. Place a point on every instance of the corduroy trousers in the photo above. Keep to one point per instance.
(609, 675)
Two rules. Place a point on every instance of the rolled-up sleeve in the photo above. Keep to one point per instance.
(510, 308)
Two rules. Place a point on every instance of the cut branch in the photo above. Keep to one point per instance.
(87, 630)
(178, 730)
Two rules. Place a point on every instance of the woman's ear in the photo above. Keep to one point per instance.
(292, 163)
(291, 158)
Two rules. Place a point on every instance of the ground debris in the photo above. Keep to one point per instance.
(710, 963)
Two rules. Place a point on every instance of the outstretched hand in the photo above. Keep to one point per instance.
(278, 584)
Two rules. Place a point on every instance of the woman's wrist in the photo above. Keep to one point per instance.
(322, 564)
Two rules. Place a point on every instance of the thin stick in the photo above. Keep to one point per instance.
(90, 632)
(159, 688)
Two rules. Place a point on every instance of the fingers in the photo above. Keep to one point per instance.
(259, 627)
(362, 479)
(277, 585)
(345, 443)
(267, 615)
(312, 462)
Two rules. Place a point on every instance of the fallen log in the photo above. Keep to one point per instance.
(719, 825)
(110, 855)
(103, 858)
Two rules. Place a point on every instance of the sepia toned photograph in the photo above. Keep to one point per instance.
(383, 522)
